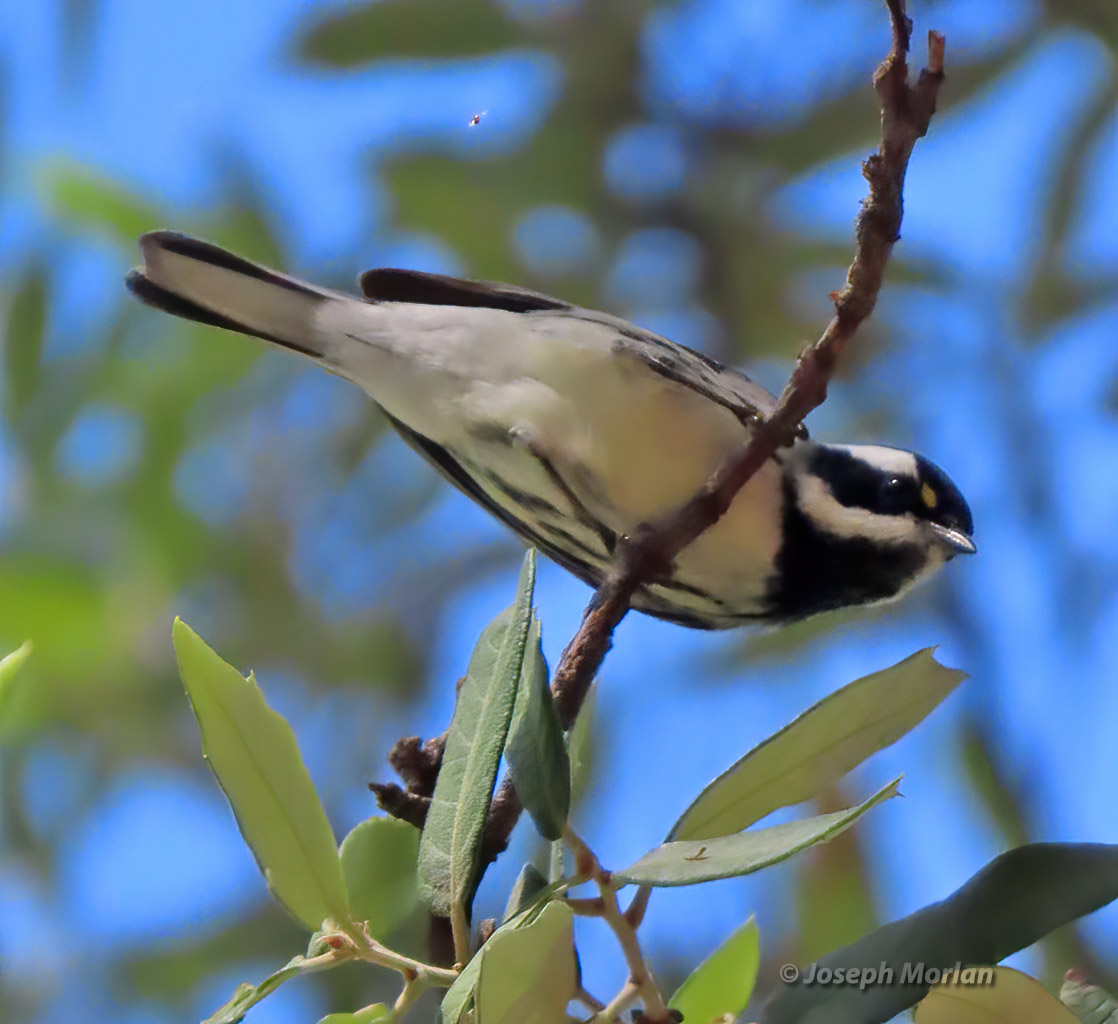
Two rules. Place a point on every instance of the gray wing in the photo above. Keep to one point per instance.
(745, 398)
(733, 390)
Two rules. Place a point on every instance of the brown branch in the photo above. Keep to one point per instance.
(399, 803)
(905, 114)
(906, 111)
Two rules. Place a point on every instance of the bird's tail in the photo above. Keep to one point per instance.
(200, 281)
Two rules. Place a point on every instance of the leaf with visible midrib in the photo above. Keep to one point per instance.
(253, 753)
(692, 861)
(820, 746)
(535, 750)
(451, 837)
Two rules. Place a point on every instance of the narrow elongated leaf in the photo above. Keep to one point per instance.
(247, 996)
(528, 975)
(687, 863)
(460, 997)
(823, 744)
(723, 982)
(536, 752)
(253, 753)
(367, 1015)
(1012, 998)
(1013, 901)
(1089, 1003)
(448, 848)
(379, 865)
(10, 666)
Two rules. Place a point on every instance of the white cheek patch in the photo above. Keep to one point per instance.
(889, 460)
(818, 503)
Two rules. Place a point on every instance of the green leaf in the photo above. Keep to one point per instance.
(253, 753)
(1016, 899)
(409, 28)
(723, 982)
(379, 866)
(247, 996)
(374, 1014)
(1011, 998)
(459, 998)
(529, 975)
(690, 862)
(580, 743)
(820, 746)
(528, 885)
(451, 837)
(23, 340)
(84, 196)
(10, 666)
(536, 753)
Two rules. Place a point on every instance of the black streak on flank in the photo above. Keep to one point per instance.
(523, 498)
(568, 539)
(453, 470)
(450, 467)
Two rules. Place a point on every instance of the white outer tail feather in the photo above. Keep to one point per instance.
(276, 307)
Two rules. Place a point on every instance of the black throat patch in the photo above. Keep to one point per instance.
(817, 571)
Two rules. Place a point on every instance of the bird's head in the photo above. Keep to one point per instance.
(863, 523)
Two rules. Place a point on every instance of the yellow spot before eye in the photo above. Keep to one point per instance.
(928, 494)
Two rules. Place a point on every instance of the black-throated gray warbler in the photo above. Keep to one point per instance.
(573, 427)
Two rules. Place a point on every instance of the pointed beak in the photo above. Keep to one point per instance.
(957, 542)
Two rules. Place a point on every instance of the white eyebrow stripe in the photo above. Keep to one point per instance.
(830, 515)
(891, 460)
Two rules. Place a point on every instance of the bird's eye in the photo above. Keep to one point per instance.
(895, 496)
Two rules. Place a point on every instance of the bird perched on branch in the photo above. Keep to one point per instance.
(574, 427)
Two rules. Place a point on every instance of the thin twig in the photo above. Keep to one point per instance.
(634, 912)
(589, 1000)
(641, 983)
